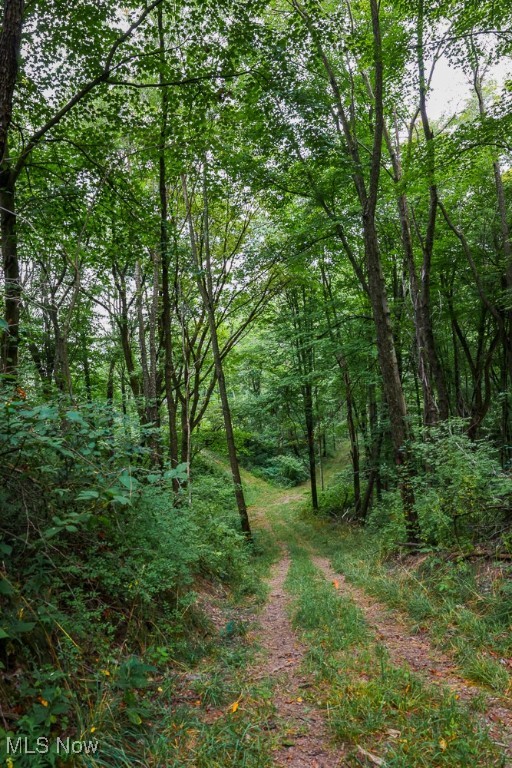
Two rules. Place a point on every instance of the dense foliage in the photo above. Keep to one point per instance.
(234, 229)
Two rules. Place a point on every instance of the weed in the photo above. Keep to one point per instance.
(369, 702)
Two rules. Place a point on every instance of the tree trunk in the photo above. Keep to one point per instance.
(206, 291)
(148, 363)
(10, 341)
(367, 194)
(170, 394)
(391, 383)
(354, 445)
(61, 370)
(310, 434)
(428, 244)
(340, 358)
(10, 44)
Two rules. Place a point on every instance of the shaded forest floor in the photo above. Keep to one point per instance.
(329, 675)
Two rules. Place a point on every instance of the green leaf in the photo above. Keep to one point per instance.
(51, 532)
(87, 496)
(129, 482)
(178, 473)
(47, 412)
(74, 416)
(5, 587)
(20, 627)
(123, 500)
(134, 717)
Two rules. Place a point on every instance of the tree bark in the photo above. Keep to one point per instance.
(10, 45)
(352, 431)
(10, 340)
(367, 193)
(205, 286)
(345, 372)
(506, 324)
(310, 433)
(170, 394)
(392, 385)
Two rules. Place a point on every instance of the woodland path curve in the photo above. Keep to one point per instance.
(310, 745)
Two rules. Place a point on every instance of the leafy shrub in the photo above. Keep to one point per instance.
(99, 559)
(461, 492)
(338, 498)
(285, 470)
(387, 518)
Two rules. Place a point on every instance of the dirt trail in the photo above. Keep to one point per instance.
(307, 742)
(417, 652)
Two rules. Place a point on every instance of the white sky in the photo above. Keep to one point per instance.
(451, 88)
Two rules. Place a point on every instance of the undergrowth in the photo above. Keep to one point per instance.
(466, 609)
(370, 704)
(98, 591)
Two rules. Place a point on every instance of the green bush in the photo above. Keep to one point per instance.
(337, 500)
(461, 493)
(100, 559)
(286, 470)
(387, 518)
(460, 490)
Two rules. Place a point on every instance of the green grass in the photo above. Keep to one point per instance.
(168, 723)
(192, 722)
(441, 596)
(446, 603)
(368, 702)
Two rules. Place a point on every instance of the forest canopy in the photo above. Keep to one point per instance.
(245, 235)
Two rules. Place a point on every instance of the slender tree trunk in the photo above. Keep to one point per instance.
(305, 362)
(61, 370)
(110, 401)
(373, 476)
(149, 362)
(10, 44)
(351, 422)
(429, 367)
(123, 392)
(307, 392)
(170, 394)
(428, 364)
(206, 291)
(385, 343)
(506, 325)
(367, 194)
(110, 381)
(124, 334)
(428, 244)
(425, 346)
(377, 435)
(87, 370)
(392, 386)
(320, 462)
(354, 444)
(10, 340)
(128, 357)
